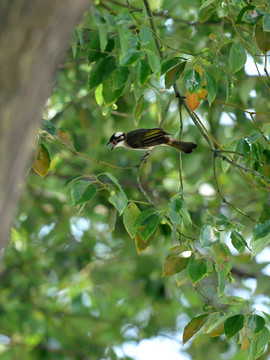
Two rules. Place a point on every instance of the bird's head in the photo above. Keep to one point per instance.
(117, 139)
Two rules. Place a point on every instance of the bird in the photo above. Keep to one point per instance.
(148, 139)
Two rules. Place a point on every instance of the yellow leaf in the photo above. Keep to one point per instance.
(245, 343)
(42, 161)
(218, 330)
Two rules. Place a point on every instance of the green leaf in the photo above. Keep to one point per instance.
(206, 3)
(257, 347)
(238, 241)
(211, 87)
(130, 214)
(95, 52)
(193, 81)
(143, 71)
(174, 210)
(256, 323)
(259, 244)
(197, 269)
(209, 236)
(194, 326)
(243, 147)
(261, 230)
(119, 200)
(238, 56)
(266, 22)
(242, 13)
(102, 37)
(170, 64)
(146, 35)
(109, 94)
(120, 77)
(252, 16)
(81, 192)
(146, 223)
(233, 325)
(231, 300)
(153, 61)
(101, 71)
(138, 110)
(130, 57)
(113, 179)
(112, 219)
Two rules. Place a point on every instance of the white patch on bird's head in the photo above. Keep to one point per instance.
(118, 134)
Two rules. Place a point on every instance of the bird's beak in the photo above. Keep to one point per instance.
(112, 144)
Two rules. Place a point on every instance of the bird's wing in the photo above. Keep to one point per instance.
(143, 138)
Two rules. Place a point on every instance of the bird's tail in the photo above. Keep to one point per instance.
(186, 147)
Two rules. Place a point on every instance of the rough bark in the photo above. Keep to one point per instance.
(34, 35)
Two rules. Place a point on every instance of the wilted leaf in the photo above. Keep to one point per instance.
(42, 161)
(194, 326)
(63, 137)
(177, 261)
(173, 74)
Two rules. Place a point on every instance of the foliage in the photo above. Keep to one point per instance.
(107, 248)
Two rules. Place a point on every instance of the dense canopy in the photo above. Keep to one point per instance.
(107, 248)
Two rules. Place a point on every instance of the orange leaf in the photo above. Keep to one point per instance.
(42, 161)
(193, 100)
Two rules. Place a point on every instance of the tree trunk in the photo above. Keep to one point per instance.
(34, 35)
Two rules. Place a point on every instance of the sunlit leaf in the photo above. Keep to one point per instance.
(193, 327)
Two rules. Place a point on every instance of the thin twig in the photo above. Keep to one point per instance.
(140, 185)
(153, 26)
(251, 171)
(166, 111)
(221, 194)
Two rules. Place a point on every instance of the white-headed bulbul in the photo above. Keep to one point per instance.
(147, 139)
